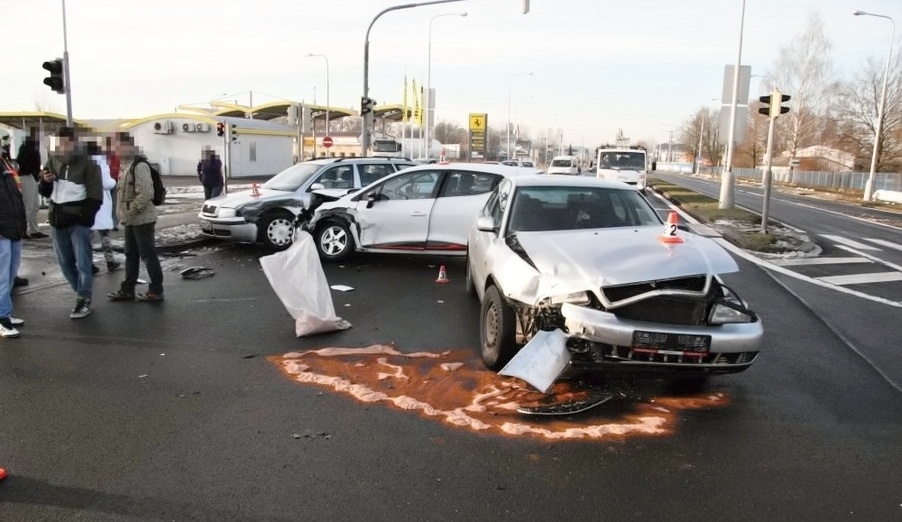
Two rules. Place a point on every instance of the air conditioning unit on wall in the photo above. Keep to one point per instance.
(187, 127)
(162, 127)
(203, 127)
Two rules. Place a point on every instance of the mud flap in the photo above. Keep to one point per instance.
(541, 361)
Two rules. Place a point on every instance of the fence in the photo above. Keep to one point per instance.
(848, 180)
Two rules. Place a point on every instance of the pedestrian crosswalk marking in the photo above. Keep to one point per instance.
(859, 279)
(849, 242)
(887, 244)
(805, 261)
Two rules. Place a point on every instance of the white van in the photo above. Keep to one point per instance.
(564, 165)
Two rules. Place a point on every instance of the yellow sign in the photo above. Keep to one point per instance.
(478, 121)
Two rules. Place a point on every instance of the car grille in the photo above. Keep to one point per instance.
(209, 210)
(667, 309)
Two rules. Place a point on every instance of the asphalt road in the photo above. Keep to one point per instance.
(208, 407)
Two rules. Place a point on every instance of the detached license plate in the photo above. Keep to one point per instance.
(683, 344)
(206, 226)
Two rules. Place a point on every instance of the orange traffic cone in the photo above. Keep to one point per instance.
(255, 190)
(670, 230)
(442, 275)
(2, 473)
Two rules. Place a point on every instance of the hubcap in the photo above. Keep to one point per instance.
(491, 328)
(279, 232)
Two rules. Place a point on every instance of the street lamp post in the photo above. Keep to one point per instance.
(727, 199)
(869, 186)
(510, 83)
(68, 83)
(428, 100)
(368, 118)
(324, 57)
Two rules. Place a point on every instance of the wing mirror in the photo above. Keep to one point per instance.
(316, 186)
(371, 198)
(486, 224)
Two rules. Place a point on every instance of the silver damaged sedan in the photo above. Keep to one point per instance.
(592, 259)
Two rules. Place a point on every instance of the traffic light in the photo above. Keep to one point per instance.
(220, 129)
(234, 132)
(366, 105)
(774, 104)
(57, 78)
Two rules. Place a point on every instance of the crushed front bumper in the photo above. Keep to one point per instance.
(601, 339)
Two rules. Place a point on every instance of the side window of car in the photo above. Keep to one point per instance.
(370, 173)
(337, 177)
(413, 185)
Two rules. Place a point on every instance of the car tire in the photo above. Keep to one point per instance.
(276, 230)
(497, 327)
(470, 287)
(334, 241)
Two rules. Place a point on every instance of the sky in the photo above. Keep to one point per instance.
(597, 66)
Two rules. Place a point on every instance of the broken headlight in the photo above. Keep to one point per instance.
(730, 308)
(577, 298)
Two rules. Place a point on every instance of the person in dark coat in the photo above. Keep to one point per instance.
(12, 230)
(209, 171)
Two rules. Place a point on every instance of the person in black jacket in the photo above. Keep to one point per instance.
(73, 183)
(29, 159)
(12, 230)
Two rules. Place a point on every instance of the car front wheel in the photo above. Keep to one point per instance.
(497, 330)
(276, 230)
(334, 241)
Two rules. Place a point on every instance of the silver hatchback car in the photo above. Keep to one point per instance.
(269, 213)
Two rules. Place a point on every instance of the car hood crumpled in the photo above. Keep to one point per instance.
(581, 259)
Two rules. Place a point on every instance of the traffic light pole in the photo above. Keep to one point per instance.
(68, 81)
(768, 162)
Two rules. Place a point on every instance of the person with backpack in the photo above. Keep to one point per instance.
(72, 182)
(138, 215)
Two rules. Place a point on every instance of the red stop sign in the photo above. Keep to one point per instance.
(327, 142)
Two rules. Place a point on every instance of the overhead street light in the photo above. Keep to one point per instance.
(429, 113)
(726, 199)
(365, 100)
(869, 186)
(510, 83)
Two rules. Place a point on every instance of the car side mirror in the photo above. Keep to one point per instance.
(371, 198)
(486, 224)
(316, 186)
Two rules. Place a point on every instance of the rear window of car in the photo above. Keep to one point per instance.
(467, 183)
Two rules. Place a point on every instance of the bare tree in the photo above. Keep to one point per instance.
(804, 71)
(448, 132)
(857, 115)
(701, 130)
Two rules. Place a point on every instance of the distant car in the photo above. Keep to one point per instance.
(269, 216)
(426, 209)
(564, 165)
(586, 256)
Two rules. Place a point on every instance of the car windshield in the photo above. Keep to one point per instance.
(570, 208)
(293, 177)
(622, 160)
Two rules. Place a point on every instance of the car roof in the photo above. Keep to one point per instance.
(489, 168)
(538, 180)
(356, 159)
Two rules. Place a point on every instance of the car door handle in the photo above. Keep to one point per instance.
(417, 214)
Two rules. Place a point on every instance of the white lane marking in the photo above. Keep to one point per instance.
(820, 261)
(849, 242)
(881, 242)
(872, 258)
(861, 279)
